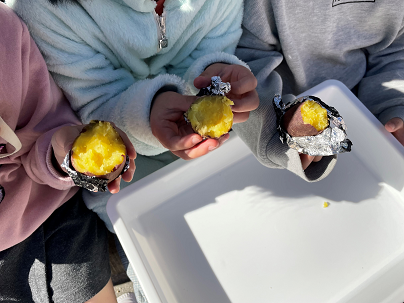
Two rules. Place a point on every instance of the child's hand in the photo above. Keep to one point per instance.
(307, 160)
(396, 127)
(243, 84)
(62, 142)
(174, 133)
(114, 185)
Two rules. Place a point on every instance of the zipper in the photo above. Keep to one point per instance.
(161, 30)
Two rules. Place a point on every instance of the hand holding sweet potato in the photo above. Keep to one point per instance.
(98, 149)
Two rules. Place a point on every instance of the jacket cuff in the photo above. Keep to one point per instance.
(392, 112)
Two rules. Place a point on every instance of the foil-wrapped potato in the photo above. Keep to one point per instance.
(310, 126)
(99, 151)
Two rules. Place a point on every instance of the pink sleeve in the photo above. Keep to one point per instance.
(34, 108)
(38, 164)
(38, 105)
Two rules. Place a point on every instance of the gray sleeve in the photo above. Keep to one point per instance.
(259, 132)
(382, 88)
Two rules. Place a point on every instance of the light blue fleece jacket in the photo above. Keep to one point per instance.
(104, 53)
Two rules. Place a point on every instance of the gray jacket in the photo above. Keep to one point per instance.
(292, 46)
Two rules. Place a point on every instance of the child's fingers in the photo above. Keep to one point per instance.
(396, 127)
(203, 148)
(216, 69)
(128, 175)
(394, 124)
(199, 150)
(71, 136)
(306, 160)
(130, 149)
(169, 106)
(248, 102)
(240, 117)
(63, 139)
(317, 158)
(202, 81)
(175, 142)
(168, 125)
(244, 85)
(181, 105)
(223, 139)
(399, 135)
(115, 185)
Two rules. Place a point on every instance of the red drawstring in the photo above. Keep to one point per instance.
(159, 8)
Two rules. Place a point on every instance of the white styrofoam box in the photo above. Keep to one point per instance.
(223, 228)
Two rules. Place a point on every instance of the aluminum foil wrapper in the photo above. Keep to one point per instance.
(90, 183)
(332, 140)
(217, 87)
(2, 193)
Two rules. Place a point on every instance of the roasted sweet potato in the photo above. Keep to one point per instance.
(99, 151)
(211, 116)
(305, 119)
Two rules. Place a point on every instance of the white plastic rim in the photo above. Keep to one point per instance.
(190, 244)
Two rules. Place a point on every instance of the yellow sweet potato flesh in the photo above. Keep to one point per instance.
(211, 116)
(314, 114)
(98, 150)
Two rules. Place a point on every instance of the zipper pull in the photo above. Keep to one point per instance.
(163, 41)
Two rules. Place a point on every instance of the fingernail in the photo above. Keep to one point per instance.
(210, 148)
(195, 140)
(391, 124)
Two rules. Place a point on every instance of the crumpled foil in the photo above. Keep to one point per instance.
(332, 140)
(90, 183)
(2, 193)
(217, 87)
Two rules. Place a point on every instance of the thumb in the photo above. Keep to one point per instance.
(64, 138)
(69, 137)
(394, 124)
(215, 69)
(306, 160)
(204, 80)
(183, 104)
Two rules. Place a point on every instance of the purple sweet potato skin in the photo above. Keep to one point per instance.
(292, 122)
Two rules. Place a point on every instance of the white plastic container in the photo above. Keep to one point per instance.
(223, 228)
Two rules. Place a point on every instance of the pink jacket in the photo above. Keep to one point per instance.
(34, 107)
